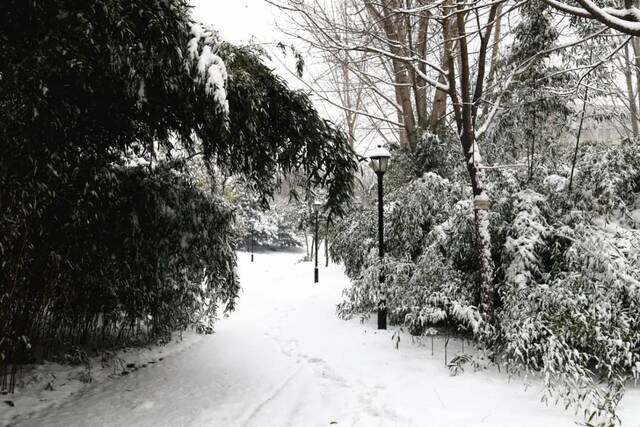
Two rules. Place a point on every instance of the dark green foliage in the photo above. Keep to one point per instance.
(118, 248)
(90, 247)
(438, 153)
(72, 72)
(98, 78)
(81, 83)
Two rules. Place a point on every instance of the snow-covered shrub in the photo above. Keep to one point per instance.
(441, 290)
(413, 211)
(521, 257)
(437, 153)
(272, 228)
(367, 289)
(427, 265)
(568, 293)
(354, 237)
(275, 227)
(439, 295)
(574, 320)
(560, 315)
(567, 276)
(607, 179)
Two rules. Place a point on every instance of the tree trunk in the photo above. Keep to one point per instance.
(404, 97)
(418, 49)
(393, 31)
(636, 48)
(465, 109)
(533, 147)
(633, 110)
(495, 49)
(439, 107)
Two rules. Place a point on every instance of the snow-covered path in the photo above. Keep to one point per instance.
(285, 359)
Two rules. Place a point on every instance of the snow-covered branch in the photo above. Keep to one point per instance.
(624, 20)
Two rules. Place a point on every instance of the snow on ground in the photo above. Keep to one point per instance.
(42, 386)
(285, 359)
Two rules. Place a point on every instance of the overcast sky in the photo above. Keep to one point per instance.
(238, 20)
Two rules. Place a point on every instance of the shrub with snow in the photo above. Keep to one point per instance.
(568, 264)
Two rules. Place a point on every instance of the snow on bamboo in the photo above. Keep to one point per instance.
(210, 67)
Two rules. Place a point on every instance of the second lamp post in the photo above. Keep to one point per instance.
(317, 206)
(252, 229)
(379, 163)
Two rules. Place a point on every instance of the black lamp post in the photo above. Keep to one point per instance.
(251, 242)
(379, 163)
(317, 206)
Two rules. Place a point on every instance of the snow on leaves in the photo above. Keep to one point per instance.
(525, 237)
(211, 70)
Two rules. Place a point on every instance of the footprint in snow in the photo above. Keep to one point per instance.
(145, 406)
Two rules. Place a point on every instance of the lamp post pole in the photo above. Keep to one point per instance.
(315, 270)
(382, 308)
(379, 163)
(251, 242)
(317, 206)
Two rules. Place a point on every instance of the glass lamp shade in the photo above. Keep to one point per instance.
(379, 159)
(317, 206)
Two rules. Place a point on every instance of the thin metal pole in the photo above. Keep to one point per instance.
(380, 215)
(315, 270)
(382, 308)
(252, 243)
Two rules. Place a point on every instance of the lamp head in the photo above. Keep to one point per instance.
(317, 206)
(379, 159)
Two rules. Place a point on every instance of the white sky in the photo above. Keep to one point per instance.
(238, 20)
